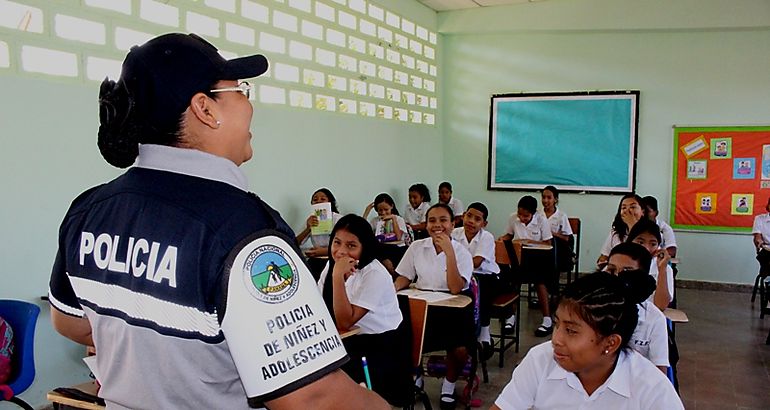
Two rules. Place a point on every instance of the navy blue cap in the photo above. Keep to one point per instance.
(163, 74)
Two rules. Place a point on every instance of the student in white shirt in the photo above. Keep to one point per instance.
(358, 291)
(442, 264)
(390, 230)
(667, 237)
(419, 202)
(588, 363)
(560, 228)
(531, 227)
(631, 261)
(630, 210)
(647, 234)
(445, 197)
(318, 251)
(481, 245)
(761, 233)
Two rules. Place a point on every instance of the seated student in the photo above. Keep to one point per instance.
(481, 245)
(560, 228)
(441, 264)
(531, 227)
(445, 197)
(761, 234)
(647, 234)
(588, 363)
(388, 226)
(318, 253)
(630, 210)
(631, 261)
(667, 237)
(358, 291)
(419, 202)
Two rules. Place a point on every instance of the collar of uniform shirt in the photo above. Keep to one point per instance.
(619, 380)
(191, 162)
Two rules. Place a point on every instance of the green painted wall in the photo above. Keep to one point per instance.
(695, 62)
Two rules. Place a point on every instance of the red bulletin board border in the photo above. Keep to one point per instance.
(744, 142)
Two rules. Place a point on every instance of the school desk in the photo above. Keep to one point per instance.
(354, 330)
(59, 400)
(435, 298)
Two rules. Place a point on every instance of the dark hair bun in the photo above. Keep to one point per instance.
(639, 285)
(118, 134)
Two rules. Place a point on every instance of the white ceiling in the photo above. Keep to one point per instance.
(444, 5)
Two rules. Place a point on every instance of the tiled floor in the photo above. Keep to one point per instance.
(724, 362)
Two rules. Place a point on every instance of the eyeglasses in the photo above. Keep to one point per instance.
(243, 88)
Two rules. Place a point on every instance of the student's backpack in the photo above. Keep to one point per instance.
(6, 350)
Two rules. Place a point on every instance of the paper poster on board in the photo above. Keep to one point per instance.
(721, 148)
(742, 204)
(766, 162)
(706, 203)
(694, 147)
(743, 168)
(696, 169)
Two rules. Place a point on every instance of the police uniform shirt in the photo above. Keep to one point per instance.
(650, 336)
(414, 216)
(143, 257)
(538, 382)
(422, 262)
(372, 289)
(482, 244)
(538, 228)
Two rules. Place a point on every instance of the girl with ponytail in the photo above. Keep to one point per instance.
(588, 363)
(630, 262)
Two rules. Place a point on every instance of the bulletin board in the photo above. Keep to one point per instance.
(721, 177)
(583, 141)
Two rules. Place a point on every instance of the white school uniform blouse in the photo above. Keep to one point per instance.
(650, 337)
(612, 240)
(422, 262)
(457, 206)
(372, 289)
(538, 228)
(483, 244)
(669, 277)
(540, 383)
(666, 234)
(762, 226)
(414, 216)
(378, 226)
(559, 222)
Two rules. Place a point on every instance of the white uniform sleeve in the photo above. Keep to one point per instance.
(658, 336)
(464, 262)
(667, 234)
(566, 229)
(670, 279)
(545, 228)
(486, 247)
(757, 228)
(322, 278)
(406, 267)
(607, 247)
(520, 392)
(402, 226)
(368, 294)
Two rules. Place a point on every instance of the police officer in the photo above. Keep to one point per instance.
(190, 287)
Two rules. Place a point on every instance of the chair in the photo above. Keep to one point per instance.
(504, 305)
(574, 224)
(415, 312)
(22, 317)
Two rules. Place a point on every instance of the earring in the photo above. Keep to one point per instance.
(218, 123)
(607, 351)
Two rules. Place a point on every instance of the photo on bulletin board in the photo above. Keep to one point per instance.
(716, 186)
(743, 168)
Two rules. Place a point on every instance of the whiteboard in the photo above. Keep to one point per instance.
(576, 141)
